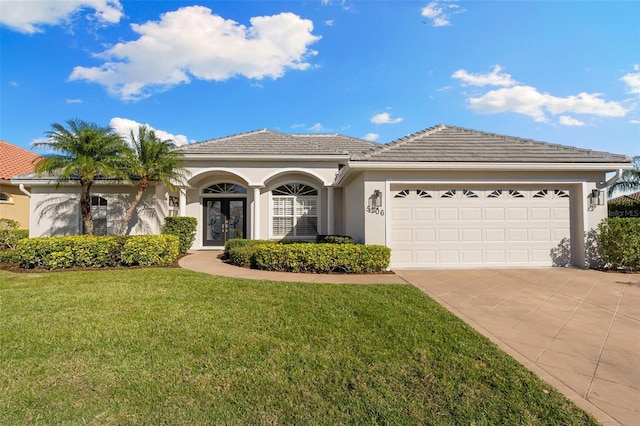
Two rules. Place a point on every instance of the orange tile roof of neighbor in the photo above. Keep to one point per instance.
(15, 160)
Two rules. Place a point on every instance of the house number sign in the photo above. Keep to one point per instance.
(375, 210)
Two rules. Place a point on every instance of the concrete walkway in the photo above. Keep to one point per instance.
(209, 262)
(577, 329)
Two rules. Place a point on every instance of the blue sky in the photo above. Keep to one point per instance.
(565, 72)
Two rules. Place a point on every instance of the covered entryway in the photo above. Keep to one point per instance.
(476, 226)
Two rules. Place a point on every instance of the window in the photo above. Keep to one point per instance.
(99, 214)
(174, 205)
(224, 188)
(295, 210)
(402, 194)
(423, 194)
(4, 198)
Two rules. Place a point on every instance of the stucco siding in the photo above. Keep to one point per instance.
(353, 207)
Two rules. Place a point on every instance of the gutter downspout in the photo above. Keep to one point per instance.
(613, 178)
(24, 190)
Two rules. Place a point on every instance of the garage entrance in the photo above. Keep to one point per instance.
(489, 226)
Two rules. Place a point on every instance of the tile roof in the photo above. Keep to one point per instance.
(269, 142)
(15, 160)
(628, 197)
(456, 144)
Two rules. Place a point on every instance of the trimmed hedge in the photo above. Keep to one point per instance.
(184, 228)
(81, 251)
(620, 242)
(323, 258)
(10, 234)
(335, 239)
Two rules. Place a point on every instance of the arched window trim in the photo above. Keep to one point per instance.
(5, 198)
(224, 188)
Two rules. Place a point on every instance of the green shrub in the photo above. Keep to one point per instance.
(335, 239)
(323, 258)
(619, 242)
(9, 256)
(241, 252)
(10, 234)
(82, 251)
(182, 227)
(148, 250)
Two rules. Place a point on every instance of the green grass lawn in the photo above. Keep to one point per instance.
(150, 346)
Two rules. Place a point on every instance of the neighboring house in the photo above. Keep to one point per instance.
(14, 202)
(442, 197)
(625, 205)
(626, 198)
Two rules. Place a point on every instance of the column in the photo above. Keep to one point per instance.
(255, 216)
(330, 212)
(183, 202)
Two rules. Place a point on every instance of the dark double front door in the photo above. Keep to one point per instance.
(224, 219)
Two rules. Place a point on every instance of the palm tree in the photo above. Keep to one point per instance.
(152, 160)
(83, 152)
(630, 179)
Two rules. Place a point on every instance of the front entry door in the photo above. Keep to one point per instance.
(223, 220)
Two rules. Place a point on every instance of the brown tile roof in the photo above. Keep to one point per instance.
(269, 142)
(15, 160)
(628, 197)
(456, 144)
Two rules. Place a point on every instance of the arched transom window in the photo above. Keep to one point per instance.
(224, 188)
(295, 210)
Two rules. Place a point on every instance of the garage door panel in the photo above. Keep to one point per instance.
(425, 235)
(401, 235)
(494, 213)
(518, 235)
(517, 213)
(448, 214)
(496, 227)
(540, 234)
(401, 214)
(495, 235)
(472, 235)
(471, 213)
(540, 213)
(425, 214)
(425, 257)
(448, 235)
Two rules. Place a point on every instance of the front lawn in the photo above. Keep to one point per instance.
(151, 346)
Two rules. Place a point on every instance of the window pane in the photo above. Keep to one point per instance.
(306, 206)
(306, 226)
(283, 206)
(282, 226)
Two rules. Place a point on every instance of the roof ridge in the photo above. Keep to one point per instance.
(401, 141)
(234, 136)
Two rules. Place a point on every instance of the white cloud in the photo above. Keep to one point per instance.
(73, 101)
(329, 22)
(385, 118)
(494, 78)
(528, 100)
(124, 126)
(632, 80)
(440, 13)
(371, 137)
(317, 127)
(567, 120)
(30, 16)
(214, 48)
(634, 121)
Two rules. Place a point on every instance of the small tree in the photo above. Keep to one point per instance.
(630, 179)
(152, 160)
(83, 152)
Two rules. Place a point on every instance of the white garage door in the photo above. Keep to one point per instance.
(476, 227)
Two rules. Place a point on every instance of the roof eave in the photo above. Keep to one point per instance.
(410, 165)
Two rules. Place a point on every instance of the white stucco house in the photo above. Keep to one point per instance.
(442, 197)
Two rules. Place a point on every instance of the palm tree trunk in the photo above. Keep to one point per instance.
(132, 208)
(85, 206)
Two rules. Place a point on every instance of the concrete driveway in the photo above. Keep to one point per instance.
(577, 329)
